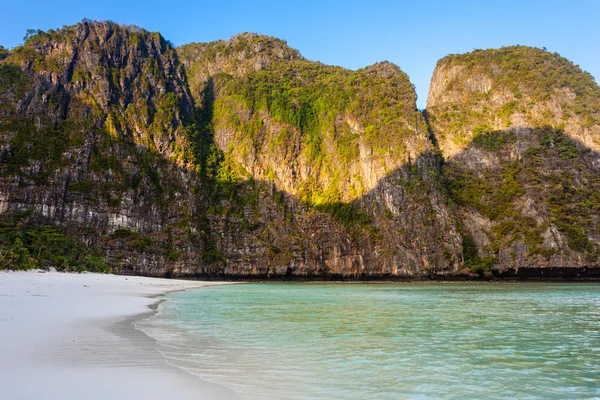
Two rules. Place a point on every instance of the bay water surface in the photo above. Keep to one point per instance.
(387, 341)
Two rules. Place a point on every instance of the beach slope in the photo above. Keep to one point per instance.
(70, 336)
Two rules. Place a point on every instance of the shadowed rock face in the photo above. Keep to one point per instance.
(243, 159)
(126, 74)
(399, 230)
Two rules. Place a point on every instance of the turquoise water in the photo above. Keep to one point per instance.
(374, 341)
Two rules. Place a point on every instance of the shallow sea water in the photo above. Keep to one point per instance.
(387, 341)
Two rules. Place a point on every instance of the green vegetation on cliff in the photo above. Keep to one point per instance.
(516, 86)
(25, 247)
(531, 71)
(520, 128)
(301, 124)
(241, 157)
(308, 99)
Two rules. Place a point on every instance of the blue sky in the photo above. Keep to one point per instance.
(352, 34)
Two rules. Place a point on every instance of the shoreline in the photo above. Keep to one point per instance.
(523, 274)
(70, 336)
(375, 280)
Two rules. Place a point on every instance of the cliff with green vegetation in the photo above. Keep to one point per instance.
(97, 138)
(347, 153)
(323, 134)
(511, 87)
(520, 129)
(235, 158)
(241, 158)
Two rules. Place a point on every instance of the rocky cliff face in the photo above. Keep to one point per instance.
(512, 87)
(519, 128)
(321, 133)
(242, 158)
(341, 144)
(239, 56)
(275, 165)
(95, 139)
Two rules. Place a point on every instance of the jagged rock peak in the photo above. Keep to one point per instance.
(239, 56)
(257, 43)
(101, 30)
(393, 76)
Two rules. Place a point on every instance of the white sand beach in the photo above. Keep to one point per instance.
(71, 336)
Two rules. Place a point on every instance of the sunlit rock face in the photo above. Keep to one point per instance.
(319, 132)
(511, 87)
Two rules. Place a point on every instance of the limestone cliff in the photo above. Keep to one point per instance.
(102, 138)
(319, 132)
(241, 158)
(520, 129)
(511, 87)
(95, 139)
(342, 144)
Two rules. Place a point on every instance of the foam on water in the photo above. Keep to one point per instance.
(416, 341)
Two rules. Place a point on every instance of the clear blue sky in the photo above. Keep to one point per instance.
(352, 34)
